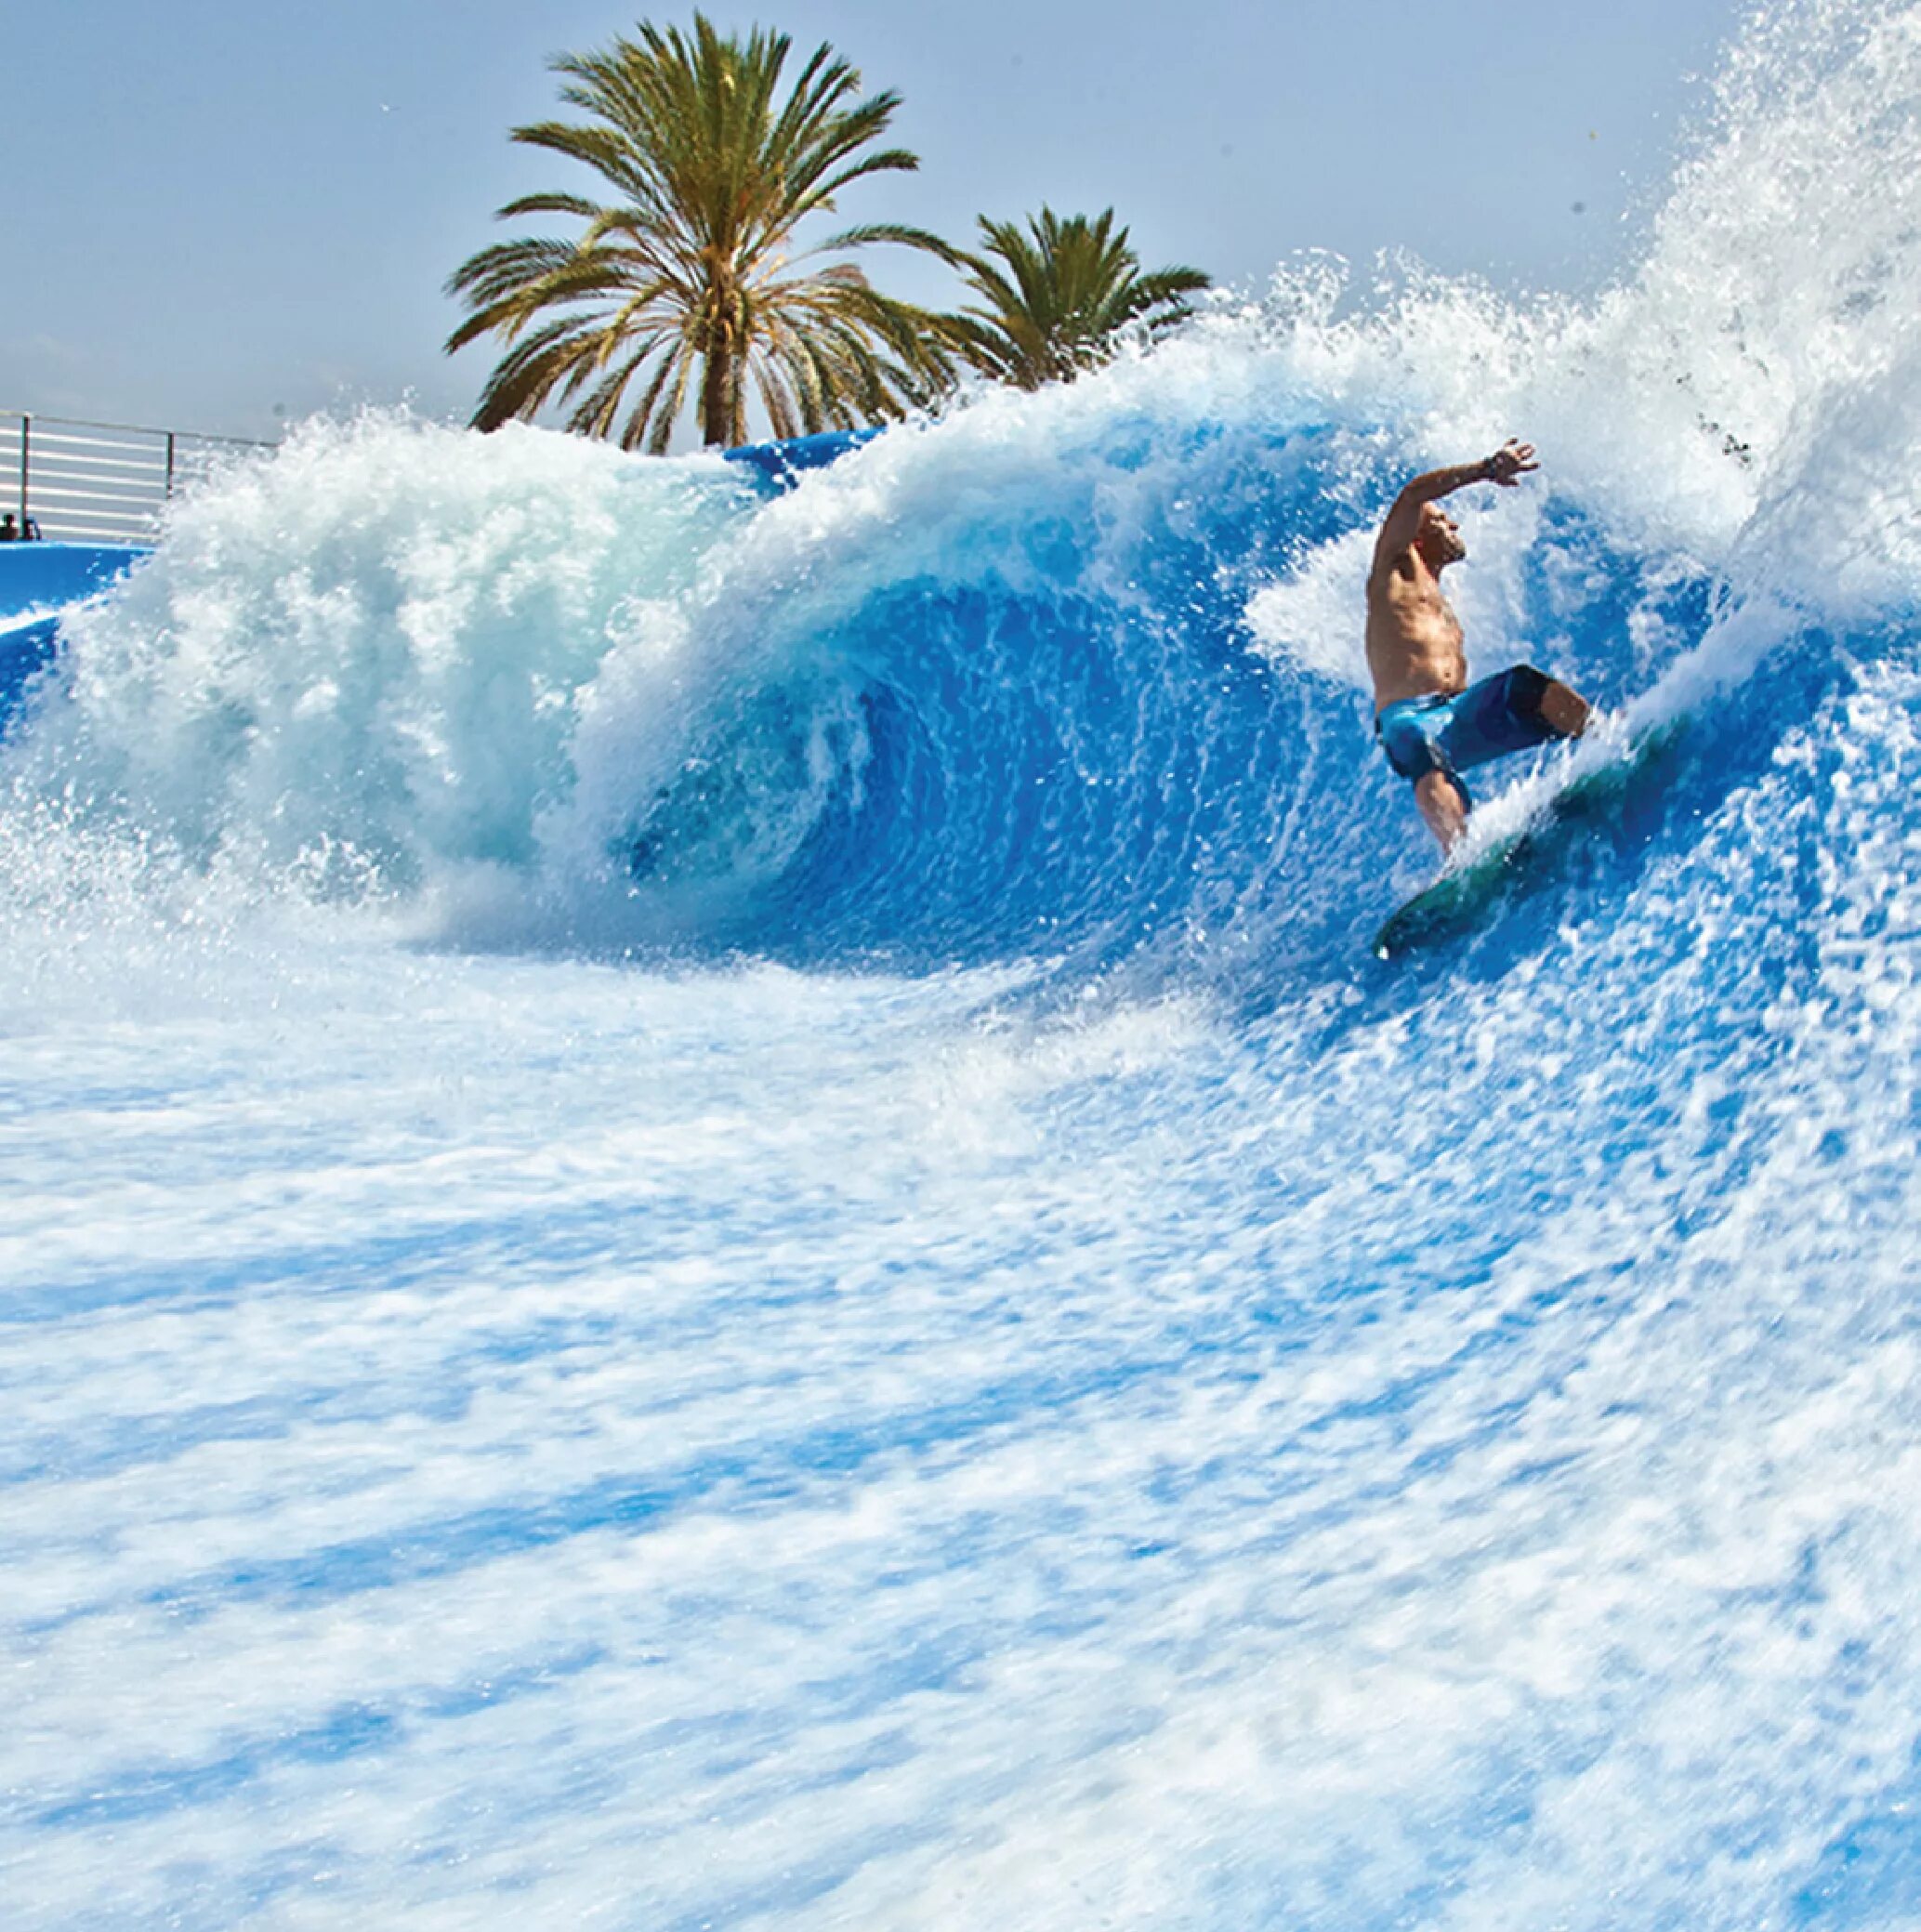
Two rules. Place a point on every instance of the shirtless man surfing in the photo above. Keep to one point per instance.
(1432, 724)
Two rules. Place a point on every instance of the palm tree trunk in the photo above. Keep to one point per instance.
(720, 368)
(717, 390)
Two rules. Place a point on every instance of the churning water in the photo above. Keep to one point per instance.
(714, 1220)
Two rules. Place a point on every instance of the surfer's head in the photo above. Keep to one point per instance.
(1439, 540)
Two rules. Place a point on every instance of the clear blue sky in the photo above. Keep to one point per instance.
(217, 207)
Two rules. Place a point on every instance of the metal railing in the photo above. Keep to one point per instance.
(99, 482)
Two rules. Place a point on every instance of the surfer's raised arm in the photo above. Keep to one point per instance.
(1506, 466)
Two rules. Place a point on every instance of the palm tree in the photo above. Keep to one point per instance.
(691, 266)
(1068, 288)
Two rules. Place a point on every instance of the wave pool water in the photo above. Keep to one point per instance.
(713, 1218)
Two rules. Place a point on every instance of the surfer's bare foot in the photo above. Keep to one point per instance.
(1563, 710)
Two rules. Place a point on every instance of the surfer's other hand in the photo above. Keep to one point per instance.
(1510, 462)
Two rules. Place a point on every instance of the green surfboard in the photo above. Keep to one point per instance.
(1465, 896)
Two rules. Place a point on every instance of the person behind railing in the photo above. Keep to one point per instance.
(30, 530)
(9, 534)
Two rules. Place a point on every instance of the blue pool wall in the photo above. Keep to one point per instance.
(38, 581)
(40, 577)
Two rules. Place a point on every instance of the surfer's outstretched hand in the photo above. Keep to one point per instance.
(1511, 462)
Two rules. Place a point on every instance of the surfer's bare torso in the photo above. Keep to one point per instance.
(1414, 646)
(1414, 649)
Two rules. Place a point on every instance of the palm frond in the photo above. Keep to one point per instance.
(899, 232)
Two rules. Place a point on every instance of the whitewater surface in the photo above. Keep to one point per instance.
(713, 1217)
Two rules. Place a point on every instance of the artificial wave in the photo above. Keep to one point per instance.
(720, 1221)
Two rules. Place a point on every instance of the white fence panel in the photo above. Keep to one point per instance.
(100, 483)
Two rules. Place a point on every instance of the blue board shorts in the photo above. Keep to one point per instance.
(1490, 719)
